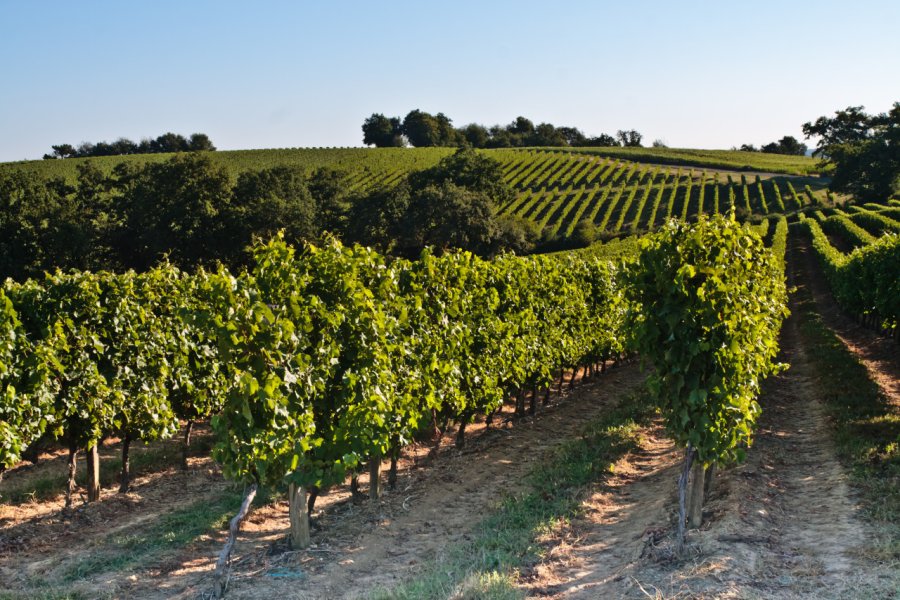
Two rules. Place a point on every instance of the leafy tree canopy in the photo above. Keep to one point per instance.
(422, 129)
(382, 132)
(167, 142)
(863, 149)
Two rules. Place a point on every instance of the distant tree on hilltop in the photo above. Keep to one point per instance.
(629, 138)
(382, 132)
(786, 145)
(422, 129)
(167, 142)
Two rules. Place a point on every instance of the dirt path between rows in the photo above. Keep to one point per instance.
(879, 354)
(784, 525)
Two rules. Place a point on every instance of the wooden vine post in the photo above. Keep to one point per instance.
(375, 478)
(708, 302)
(93, 473)
(299, 516)
(234, 526)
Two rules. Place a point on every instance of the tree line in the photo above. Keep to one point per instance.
(167, 142)
(192, 212)
(422, 129)
(787, 145)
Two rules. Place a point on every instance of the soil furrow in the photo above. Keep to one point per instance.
(785, 524)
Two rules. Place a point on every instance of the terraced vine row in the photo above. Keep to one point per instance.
(866, 281)
(558, 189)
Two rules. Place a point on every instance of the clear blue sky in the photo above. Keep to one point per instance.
(285, 74)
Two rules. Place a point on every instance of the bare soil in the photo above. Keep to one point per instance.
(785, 524)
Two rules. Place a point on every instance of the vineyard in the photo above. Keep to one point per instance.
(559, 190)
(319, 365)
(616, 192)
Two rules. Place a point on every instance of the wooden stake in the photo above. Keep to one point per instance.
(682, 488)
(395, 456)
(73, 465)
(710, 480)
(374, 478)
(125, 481)
(698, 487)
(298, 511)
(186, 448)
(221, 581)
(93, 473)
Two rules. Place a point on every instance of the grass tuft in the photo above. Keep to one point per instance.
(173, 530)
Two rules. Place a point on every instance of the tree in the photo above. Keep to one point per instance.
(169, 142)
(572, 136)
(469, 169)
(500, 137)
(200, 142)
(790, 145)
(449, 216)
(450, 205)
(42, 226)
(447, 135)
(516, 234)
(629, 138)
(63, 151)
(476, 135)
(271, 200)
(786, 145)
(848, 126)
(332, 197)
(94, 204)
(602, 141)
(863, 151)
(521, 126)
(422, 129)
(546, 134)
(177, 208)
(584, 234)
(376, 218)
(382, 132)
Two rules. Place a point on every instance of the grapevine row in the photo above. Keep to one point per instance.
(865, 282)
